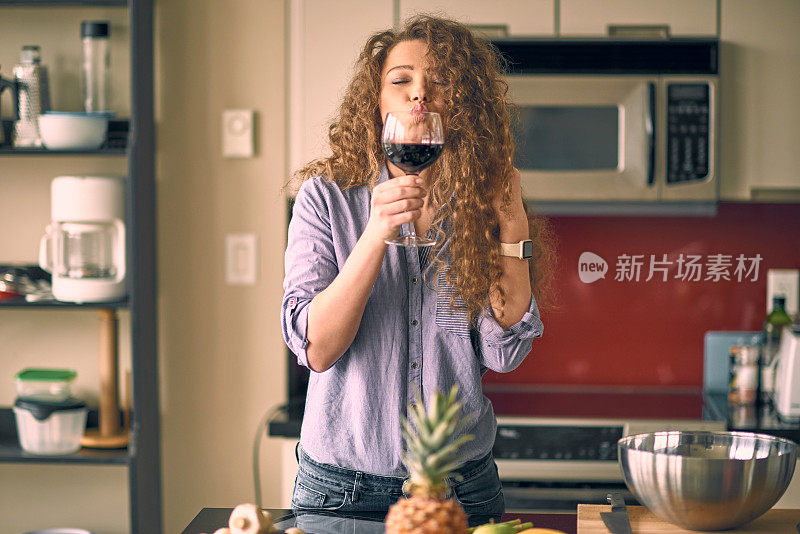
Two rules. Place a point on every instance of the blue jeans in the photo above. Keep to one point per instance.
(323, 487)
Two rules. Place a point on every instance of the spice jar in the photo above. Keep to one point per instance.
(743, 375)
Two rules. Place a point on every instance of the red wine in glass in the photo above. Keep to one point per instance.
(412, 157)
(412, 140)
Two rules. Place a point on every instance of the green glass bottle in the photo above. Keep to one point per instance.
(774, 324)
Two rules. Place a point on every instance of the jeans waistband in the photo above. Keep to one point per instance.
(333, 474)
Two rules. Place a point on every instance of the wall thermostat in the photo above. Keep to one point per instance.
(238, 140)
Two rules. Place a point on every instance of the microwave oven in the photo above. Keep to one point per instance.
(616, 126)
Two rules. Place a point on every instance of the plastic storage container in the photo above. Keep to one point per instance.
(50, 427)
(44, 384)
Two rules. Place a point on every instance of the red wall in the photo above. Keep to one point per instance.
(648, 333)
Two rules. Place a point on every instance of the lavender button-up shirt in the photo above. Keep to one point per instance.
(409, 340)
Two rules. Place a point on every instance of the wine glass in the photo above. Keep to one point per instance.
(412, 140)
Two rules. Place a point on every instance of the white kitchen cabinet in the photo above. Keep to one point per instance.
(520, 17)
(760, 117)
(325, 40)
(585, 18)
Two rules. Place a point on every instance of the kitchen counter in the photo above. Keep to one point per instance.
(555, 402)
(210, 519)
(710, 407)
(758, 419)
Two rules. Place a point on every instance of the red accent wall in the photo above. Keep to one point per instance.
(650, 333)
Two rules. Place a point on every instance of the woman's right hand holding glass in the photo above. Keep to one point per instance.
(394, 202)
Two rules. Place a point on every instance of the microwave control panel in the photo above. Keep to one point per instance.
(688, 132)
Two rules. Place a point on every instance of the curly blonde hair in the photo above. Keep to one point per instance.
(474, 166)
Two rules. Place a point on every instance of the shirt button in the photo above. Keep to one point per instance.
(414, 280)
(413, 365)
(414, 322)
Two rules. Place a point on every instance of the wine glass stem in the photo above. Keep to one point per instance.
(413, 234)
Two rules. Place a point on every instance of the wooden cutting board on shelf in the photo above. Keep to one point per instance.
(775, 521)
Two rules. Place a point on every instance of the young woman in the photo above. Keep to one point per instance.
(376, 323)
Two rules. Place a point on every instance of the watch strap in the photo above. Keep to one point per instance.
(521, 250)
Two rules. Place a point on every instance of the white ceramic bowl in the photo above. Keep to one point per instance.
(60, 531)
(73, 131)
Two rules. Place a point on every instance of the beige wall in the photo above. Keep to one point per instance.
(221, 354)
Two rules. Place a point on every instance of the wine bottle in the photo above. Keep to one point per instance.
(776, 321)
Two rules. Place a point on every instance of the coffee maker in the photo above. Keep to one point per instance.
(84, 245)
(787, 376)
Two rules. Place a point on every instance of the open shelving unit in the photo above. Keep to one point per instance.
(142, 456)
(11, 452)
(116, 143)
(57, 304)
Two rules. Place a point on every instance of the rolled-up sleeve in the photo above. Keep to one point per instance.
(309, 262)
(501, 350)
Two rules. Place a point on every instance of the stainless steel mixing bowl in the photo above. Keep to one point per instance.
(707, 480)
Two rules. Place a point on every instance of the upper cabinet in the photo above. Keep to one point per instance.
(591, 18)
(760, 72)
(760, 111)
(325, 40)
(518, 17)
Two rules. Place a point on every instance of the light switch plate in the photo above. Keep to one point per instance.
(238, 138)
(786, 283)
(241, 259)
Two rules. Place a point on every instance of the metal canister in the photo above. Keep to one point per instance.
(743, 375)
(33, 97)
(10, 85)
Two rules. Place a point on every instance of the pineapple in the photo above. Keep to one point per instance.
(430, 459)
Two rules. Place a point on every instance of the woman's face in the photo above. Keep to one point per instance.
(406, 83)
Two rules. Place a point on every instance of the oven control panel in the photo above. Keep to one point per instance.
(557, 442)
(577, 450)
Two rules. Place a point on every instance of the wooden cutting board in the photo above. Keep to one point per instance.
(775, 521)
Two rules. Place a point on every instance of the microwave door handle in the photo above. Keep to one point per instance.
(650, 129)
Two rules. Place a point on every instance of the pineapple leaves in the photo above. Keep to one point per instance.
(429, 457)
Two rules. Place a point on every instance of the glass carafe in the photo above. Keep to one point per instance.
(83, 250)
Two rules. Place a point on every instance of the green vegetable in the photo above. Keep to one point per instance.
(508, 527)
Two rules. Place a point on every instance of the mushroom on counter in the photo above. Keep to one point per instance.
(248, 518)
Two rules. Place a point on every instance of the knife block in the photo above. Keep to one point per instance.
(110, 435)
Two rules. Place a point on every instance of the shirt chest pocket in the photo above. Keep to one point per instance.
(451, 320)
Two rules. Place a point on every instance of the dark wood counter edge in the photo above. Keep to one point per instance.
(209, 520)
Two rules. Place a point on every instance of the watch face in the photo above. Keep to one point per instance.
(527, 249)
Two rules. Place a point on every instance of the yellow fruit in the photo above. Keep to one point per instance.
(425, 515)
